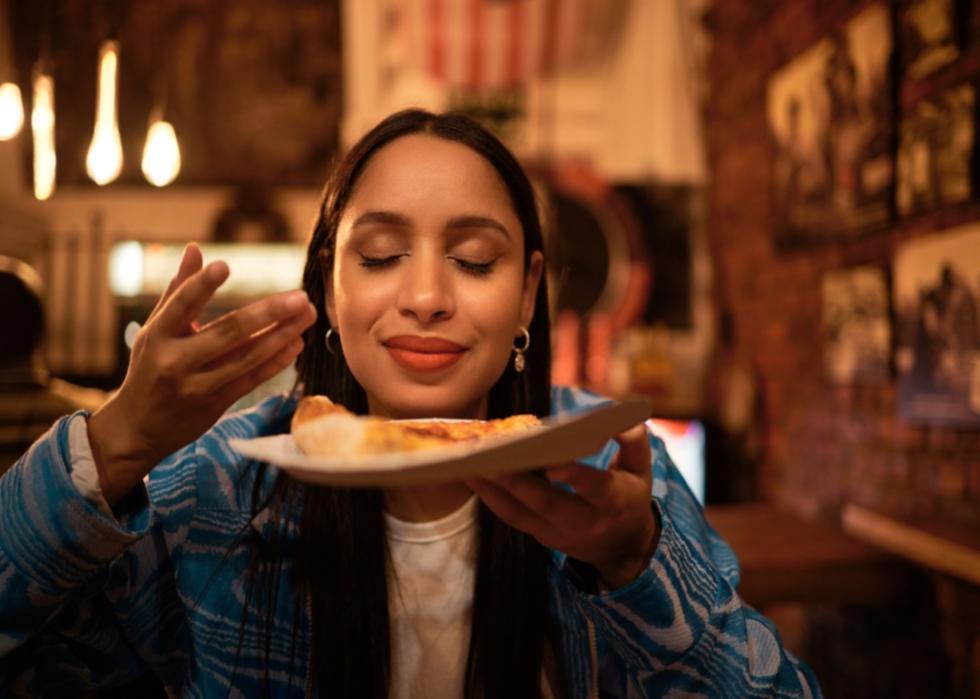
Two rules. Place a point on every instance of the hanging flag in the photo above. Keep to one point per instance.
(491, 44)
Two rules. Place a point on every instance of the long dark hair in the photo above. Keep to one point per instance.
(341, 561)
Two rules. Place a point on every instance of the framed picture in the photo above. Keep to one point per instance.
(936, 295)
(830, 115)
(856, 325)
(932, 32)
(936, 145)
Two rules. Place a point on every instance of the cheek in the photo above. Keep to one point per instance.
(359, 304)
(496, 309)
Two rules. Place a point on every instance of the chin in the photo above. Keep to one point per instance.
(421, 401)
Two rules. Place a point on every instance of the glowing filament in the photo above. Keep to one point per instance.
(11, 111)
(104, 160)
(42, 124)
(161, 154)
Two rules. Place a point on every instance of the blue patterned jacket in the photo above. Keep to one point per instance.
(87, 601)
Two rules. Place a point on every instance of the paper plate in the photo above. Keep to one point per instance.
(560, 439)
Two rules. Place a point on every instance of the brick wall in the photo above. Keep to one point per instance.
(826, 445)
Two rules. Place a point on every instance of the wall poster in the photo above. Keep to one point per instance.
(936, 144)
(936, 290)
(830, 114)
(856, 325)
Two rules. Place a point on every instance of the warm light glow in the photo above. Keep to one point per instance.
(126, 269)
(11, 111)
(130, 333)
(42, 124)
(258, 269)
(104, 160)
(161, 154)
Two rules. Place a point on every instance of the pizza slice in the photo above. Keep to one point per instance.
(323, 428)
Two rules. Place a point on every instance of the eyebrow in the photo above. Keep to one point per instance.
(393, 218)
(477, 222)
(388, 217)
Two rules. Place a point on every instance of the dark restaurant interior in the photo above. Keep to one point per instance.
(763, 216)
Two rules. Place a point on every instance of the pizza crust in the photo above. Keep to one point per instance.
(323, 428)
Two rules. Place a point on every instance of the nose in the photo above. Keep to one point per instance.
(426, 289)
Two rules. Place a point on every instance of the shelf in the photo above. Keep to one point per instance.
(784, 558)
(937, 544)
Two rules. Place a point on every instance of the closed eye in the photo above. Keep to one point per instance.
(379, 262)
(478, 268)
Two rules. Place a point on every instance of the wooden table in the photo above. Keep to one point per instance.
(785, 558)
(948, 547)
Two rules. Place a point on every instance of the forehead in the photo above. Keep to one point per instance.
(425, 169)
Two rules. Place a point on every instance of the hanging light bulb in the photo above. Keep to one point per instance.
(42, 125)
(11, 111)
(104, 160)
(161, 154)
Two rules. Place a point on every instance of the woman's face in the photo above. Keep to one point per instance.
(428, 287)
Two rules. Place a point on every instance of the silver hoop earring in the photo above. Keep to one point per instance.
(519, 362)
(326, 341)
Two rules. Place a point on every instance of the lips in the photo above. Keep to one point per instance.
(424, 353)
(423, 345)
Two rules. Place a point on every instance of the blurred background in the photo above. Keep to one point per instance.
(761, 215)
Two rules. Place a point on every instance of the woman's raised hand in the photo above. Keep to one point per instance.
(608, 522)
(182, 376)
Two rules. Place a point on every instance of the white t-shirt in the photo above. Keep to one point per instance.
(431, 602)
(431, 605)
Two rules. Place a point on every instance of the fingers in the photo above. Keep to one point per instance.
(262, 347)
(604, 518)
(533, 504)
(215, 340)
(190, 262)
(634, 451)
(591, 484)
(187, 301)
(543, 498)
(507, 507)
(263, 372)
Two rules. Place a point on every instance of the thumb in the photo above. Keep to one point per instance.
(634, 451)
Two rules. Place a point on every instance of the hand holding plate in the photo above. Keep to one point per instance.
(607, 522)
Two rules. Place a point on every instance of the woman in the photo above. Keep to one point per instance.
(426, 298)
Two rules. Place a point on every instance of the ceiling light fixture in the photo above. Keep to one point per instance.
(42, 126)
(161, 154)
(11, 111)
(104, 160)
